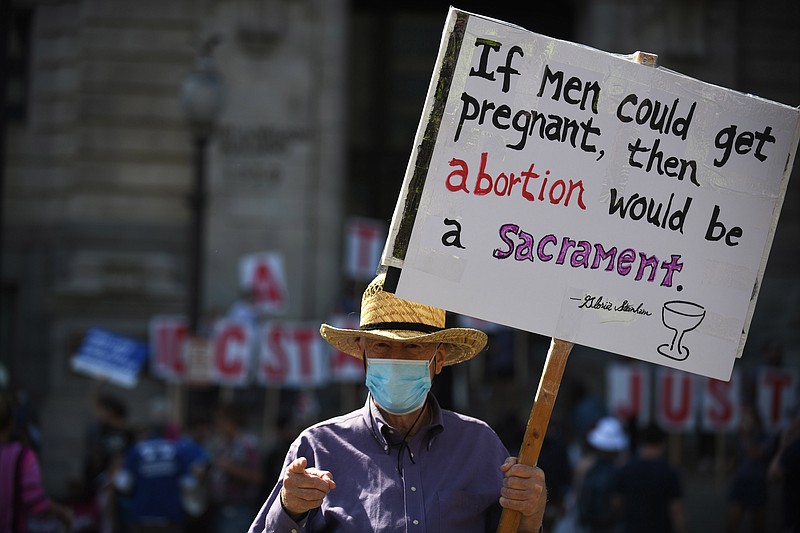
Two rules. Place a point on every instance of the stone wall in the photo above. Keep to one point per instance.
(98, 179)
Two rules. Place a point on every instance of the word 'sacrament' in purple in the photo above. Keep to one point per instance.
(583, 254)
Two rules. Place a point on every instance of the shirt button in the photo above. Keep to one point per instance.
(415, 522)
(413, 489)
(294, 530)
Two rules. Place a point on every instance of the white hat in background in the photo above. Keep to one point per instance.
(608, 435)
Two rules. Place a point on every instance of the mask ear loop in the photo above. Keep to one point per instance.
(369, 398)
(435, 353)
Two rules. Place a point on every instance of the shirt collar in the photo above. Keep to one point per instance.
(379, 428)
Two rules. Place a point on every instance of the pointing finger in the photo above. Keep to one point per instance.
(298, 466)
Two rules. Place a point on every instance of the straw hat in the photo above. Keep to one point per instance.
(386, 317)
(608, 435)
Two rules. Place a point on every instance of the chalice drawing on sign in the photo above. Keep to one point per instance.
(680, 317)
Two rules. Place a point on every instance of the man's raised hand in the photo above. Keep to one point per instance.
(304, 488)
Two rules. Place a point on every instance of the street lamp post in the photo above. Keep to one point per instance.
(198, 206)
(201, 97)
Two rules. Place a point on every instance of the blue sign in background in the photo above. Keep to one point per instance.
(107, 354)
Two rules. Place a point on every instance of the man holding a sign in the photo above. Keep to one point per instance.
(401, 460)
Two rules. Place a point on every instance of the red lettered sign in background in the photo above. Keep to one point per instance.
(345, 367)
(232, 349)
(292, 354)
(264, 275)
(721, 406)
(776, 395)
(167, 335)
(675, 399)
(680, 400)
(365, 239)
(629, 392)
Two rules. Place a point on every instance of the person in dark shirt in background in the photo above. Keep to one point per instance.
(235, 474)
(785, 469)
(649, 489)
(108, 439)
(596, 512)
(747, 499)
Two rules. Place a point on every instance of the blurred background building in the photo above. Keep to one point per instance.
(103, 178)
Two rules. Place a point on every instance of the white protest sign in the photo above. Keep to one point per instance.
(263, 274)
(364, 241)
(570, 192)
(198, 357)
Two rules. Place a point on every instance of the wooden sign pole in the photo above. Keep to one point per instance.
(549, 383)
(539, 419)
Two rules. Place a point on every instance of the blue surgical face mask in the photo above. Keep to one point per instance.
(399, 386)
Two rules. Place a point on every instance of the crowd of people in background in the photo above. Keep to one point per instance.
(138, 478)
(207, 478)
(622, 480)
(604, 475)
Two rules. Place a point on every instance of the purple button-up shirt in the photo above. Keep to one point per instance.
(450, 480)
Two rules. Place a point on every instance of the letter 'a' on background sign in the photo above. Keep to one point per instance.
(263, 276)
(596, 199)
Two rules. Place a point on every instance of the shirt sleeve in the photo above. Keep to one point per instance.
(272, 517)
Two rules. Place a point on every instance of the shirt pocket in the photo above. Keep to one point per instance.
(462, 511)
